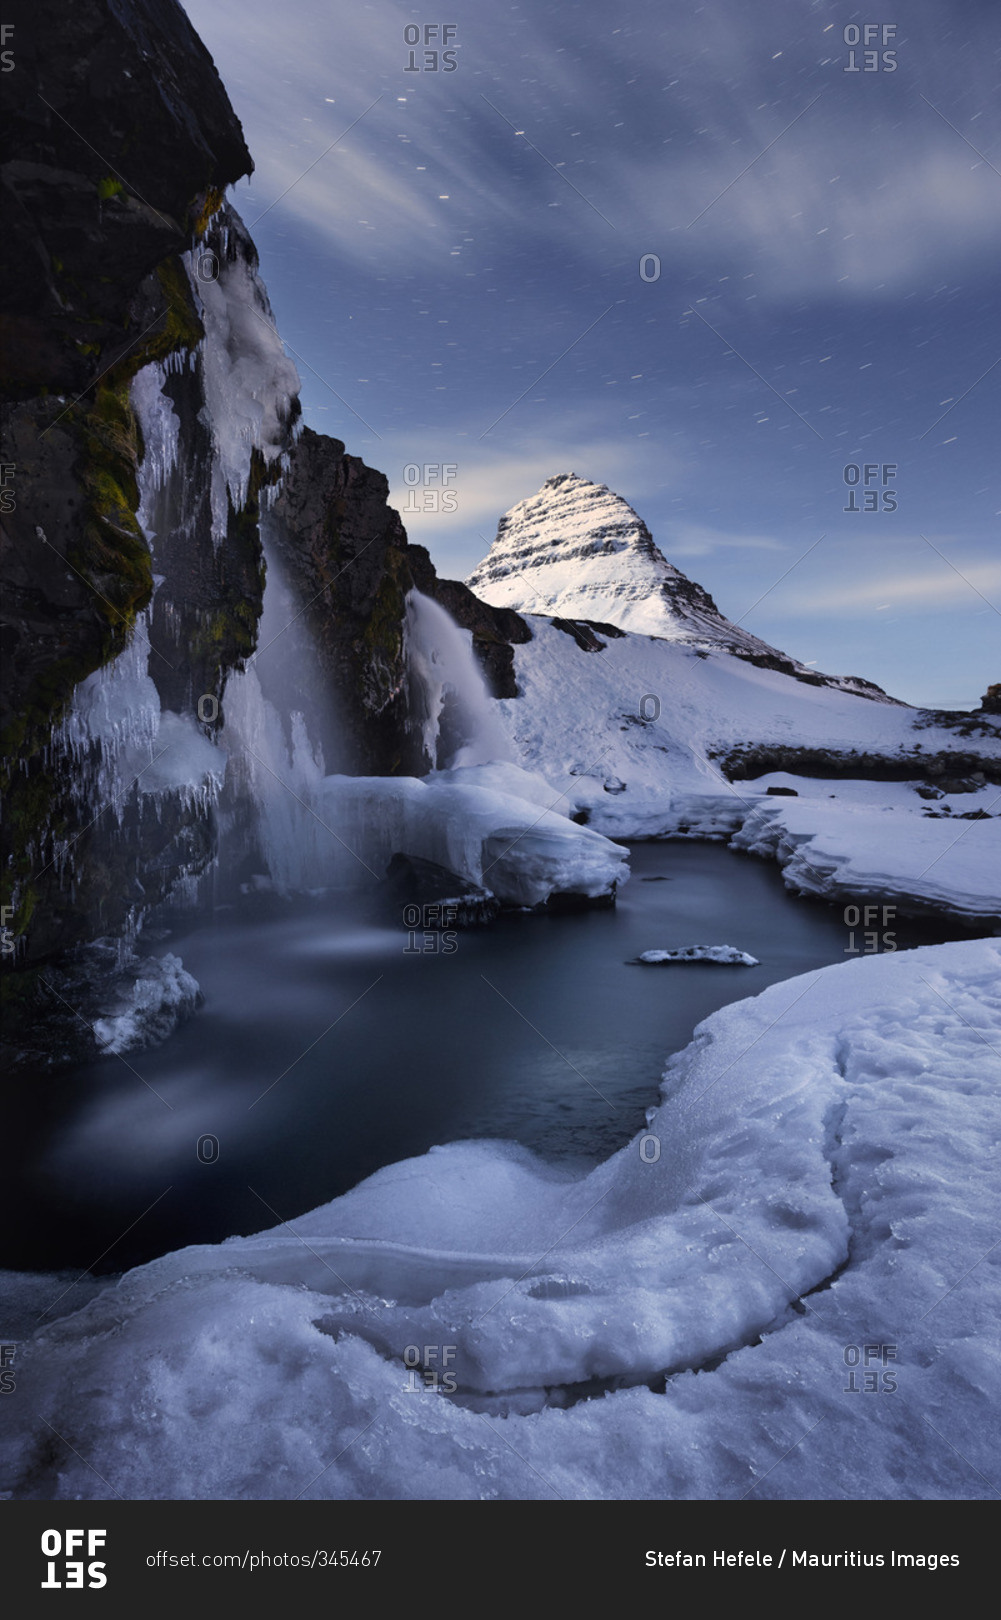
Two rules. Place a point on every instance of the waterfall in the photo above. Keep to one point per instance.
(313, 829)
(455, 713)
(275, 718)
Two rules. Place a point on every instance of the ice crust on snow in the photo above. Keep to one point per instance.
(727, 954)
(876, 840)
(819, 1175)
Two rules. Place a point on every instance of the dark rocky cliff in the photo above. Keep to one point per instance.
(347, 552)
(119, 142)
(120, 262)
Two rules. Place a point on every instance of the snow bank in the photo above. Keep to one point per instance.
(817, 1179)
(632, 737)
(880, 841)
(659, 717)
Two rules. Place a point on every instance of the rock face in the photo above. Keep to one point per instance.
(346, 552)
(120, 142)
(577, 551)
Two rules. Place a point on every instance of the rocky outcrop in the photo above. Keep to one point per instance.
(955, 772)
(990, 703)
(120, 140)
(345, 550)
(148, 406)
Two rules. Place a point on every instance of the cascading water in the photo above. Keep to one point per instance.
(277, 763)
(453, 709)
(314, 829)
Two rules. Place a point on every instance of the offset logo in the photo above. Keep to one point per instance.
(873, 60)
(65, 1564)
(433, 60)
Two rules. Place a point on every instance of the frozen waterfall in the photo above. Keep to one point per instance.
(452, 707)
(483, 818)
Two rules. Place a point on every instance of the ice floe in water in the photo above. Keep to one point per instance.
(726, 954)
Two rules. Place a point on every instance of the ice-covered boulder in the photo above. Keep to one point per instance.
(488, 824)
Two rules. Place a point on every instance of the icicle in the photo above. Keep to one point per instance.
(249, 382)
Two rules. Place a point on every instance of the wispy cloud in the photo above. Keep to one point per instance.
(921, 589)
(699, 540)
(648, 145)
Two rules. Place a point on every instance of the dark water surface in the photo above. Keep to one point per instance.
(326, 1049)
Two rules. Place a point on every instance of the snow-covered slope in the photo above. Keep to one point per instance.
(576, 550)
(818, 1179)
(643, 737)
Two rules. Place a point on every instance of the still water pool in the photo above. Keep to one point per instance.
(326, 1048)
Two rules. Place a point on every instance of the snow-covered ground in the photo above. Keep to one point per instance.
(786, 1287)
(881, 841)
(633, 735)
(804, 1242)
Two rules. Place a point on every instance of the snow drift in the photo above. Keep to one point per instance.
(687, 1320)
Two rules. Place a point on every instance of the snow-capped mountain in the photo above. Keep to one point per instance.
(576, 550)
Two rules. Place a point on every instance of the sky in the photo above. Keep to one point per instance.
(701, 253)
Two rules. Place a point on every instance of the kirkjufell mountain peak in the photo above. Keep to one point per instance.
(578, 550)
